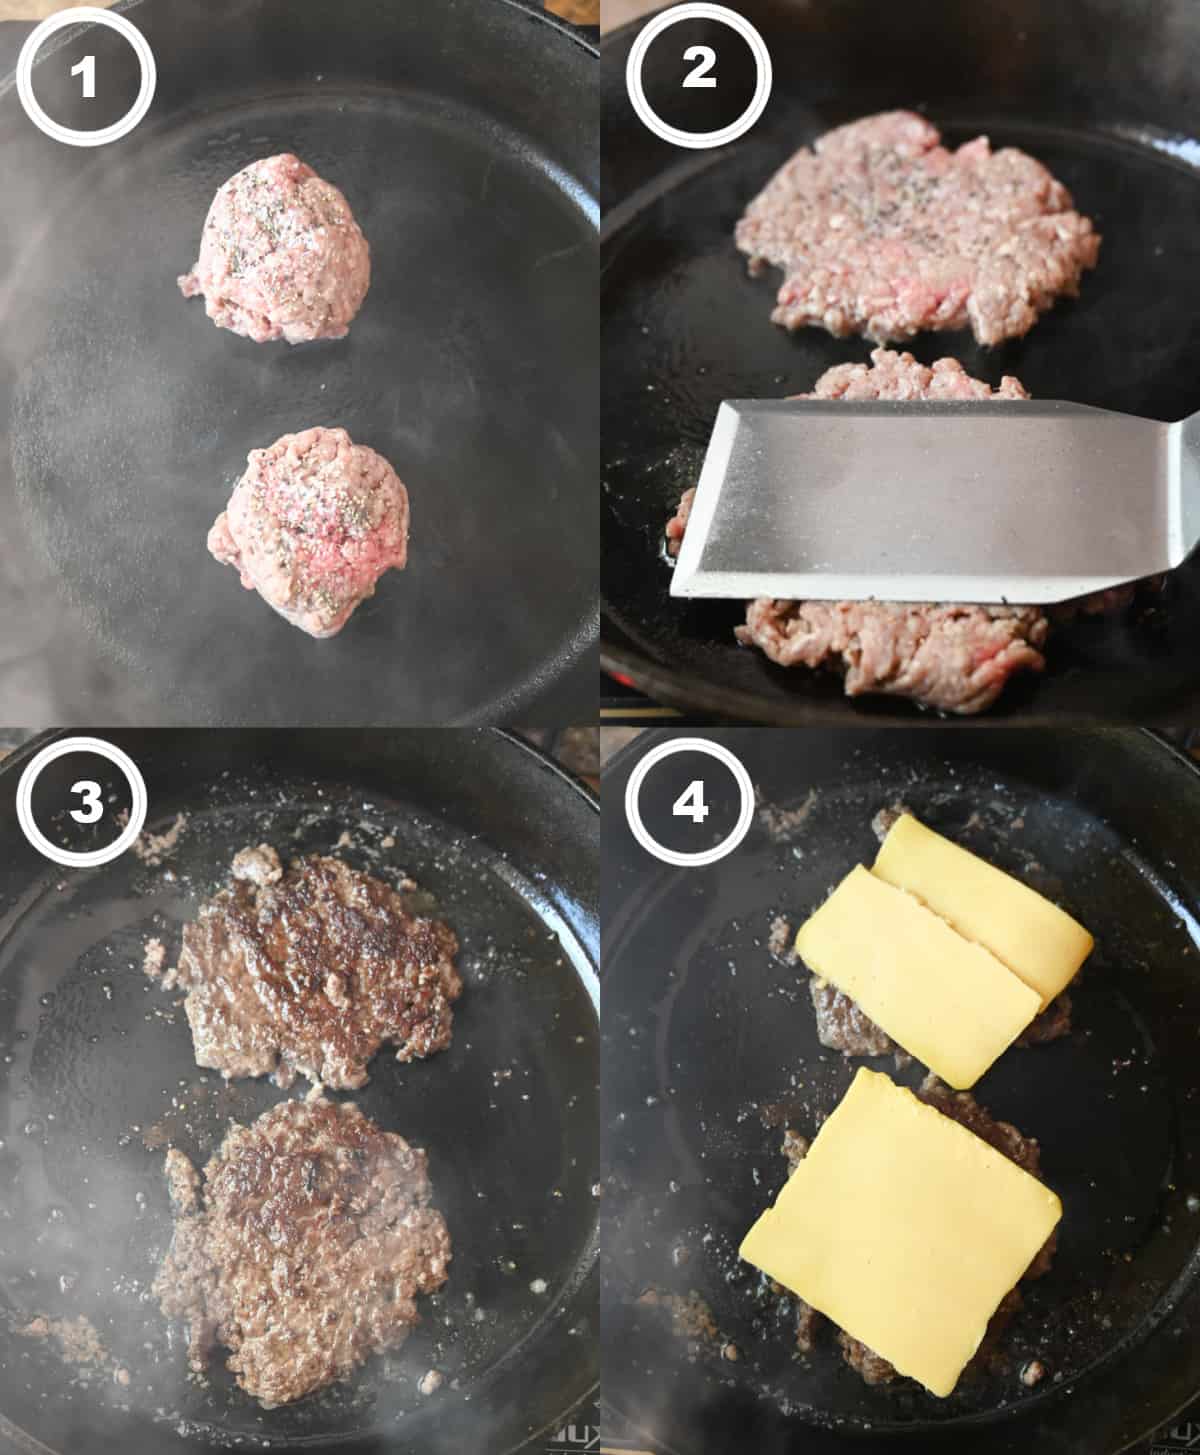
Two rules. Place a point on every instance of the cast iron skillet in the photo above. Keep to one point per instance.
(1104, 92)
(464, 135)
(97, 1075)
(709, 1049)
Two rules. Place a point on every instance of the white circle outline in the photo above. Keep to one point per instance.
(86, 15)
(698, 140)
(68, 857)
(633, 813)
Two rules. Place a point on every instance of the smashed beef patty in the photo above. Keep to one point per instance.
(843, 1025)
(306, 1249)
(309, 971)
(281, 255)
(880, 230)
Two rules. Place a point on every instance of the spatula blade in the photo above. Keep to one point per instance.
(1026, 502)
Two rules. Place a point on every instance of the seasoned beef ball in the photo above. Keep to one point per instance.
(306, 1253)
(281, 255)
(312, 525)
(880, 230)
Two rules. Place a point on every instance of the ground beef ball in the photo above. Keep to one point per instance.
(312, 525)
(281, 255)
(880, 230)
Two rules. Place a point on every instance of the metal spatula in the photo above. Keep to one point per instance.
(1017, 501)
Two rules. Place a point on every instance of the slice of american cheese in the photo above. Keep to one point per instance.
(949, 1002)
(1035, 939)
(905, 1229)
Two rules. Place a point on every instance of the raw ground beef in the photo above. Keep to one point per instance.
(281, 255)
(312, 525)
(307, 1249)
(961, 1107)
(310, 970)
(952, 658)
(881, 231)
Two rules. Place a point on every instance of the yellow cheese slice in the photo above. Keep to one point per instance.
(949, 1002)
(1036, 940)
(905, 1229)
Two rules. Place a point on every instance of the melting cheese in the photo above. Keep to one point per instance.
(905, 1229)
(1035, 939)
(949, 1002)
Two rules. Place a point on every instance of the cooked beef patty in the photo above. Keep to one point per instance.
(880, 230)
(961, 1107)
(1053, 1023)
(307, 1249)
(281, 255)
(312, 525)
(953, 658)
(309, 971)
(844, 1026)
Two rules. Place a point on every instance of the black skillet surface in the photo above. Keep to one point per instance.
(464, 135)
(1105, 93)
(709, 1049)
(95, 1063)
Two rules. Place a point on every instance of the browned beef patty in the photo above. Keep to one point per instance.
(959, 1106)
(842, 1024)
(876, 1370)
(307, 1249)
(1053, 1023)
(309, 971)
(880, 230)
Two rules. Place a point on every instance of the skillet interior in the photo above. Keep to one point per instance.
(1104, 94)
(464, 136)
(717, 1050)
(95, 1064)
